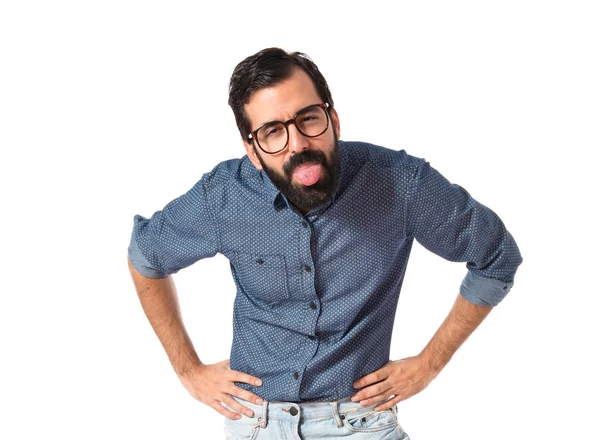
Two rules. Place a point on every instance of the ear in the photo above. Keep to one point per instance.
(252, 155)
(335, 119)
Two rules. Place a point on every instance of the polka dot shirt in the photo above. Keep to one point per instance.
(317, 294)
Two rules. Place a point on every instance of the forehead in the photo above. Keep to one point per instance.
(281, 101)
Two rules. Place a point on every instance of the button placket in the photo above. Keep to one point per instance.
(307, 270)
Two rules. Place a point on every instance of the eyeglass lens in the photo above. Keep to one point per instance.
(311, 122)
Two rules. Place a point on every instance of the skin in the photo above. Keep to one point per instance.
(406, 377)
(280, 103)
(213, 384)
(402, 378)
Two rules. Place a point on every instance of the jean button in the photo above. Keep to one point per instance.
(293, 410)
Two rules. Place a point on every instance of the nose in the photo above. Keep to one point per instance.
(297, 141)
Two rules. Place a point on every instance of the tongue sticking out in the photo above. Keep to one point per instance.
(308, 174)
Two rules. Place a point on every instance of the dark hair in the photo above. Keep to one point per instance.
(265, 69)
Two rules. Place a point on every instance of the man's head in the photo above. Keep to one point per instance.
(273, 85)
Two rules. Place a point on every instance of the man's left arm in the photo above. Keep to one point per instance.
(446, 220)
(406, 377)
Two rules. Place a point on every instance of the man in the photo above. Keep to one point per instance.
(318, 232)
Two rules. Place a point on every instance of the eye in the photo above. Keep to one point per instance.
(308, 118)
(272, 131)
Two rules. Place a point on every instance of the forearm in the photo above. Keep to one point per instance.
(463, 319)
(161, 306)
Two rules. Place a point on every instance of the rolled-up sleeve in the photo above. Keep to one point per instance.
(183, 232)
(445, 219)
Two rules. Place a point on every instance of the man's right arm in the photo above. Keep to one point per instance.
(211, 384)
(159, 300)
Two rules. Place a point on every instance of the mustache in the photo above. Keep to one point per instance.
(308, 156)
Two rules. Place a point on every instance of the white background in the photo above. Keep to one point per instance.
(111, 109)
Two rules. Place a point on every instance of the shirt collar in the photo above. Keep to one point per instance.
(275, 196)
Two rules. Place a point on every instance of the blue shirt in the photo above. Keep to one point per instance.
(317, 294)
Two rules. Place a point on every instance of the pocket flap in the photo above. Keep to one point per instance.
(263, 276)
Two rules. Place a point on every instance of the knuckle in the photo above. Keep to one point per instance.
(232, 390)
(231, 415)
(224, 411)
(219, 408)
(249, 397)
(236, 377)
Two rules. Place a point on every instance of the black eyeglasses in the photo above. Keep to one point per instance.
(311, 121)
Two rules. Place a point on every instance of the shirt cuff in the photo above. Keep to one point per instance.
(140, 263)
(484, 291)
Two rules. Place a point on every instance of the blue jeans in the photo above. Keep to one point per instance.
(340, 419)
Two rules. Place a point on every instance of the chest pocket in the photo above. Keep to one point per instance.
(263, 276)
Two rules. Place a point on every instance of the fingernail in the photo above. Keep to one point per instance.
(238, 416)
(249, 413)
(354, 399)
(259, 401)
(258, 382)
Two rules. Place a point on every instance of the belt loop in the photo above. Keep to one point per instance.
(265, 410)
(336, 415)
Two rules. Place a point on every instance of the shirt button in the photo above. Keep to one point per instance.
(304, 224)
(307, 268)
(312, 305)
(260, 261)
(296, 375)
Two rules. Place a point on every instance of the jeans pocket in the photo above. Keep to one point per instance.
(242, 429)
(372, 421)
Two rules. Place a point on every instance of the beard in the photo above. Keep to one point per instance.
(307, 198)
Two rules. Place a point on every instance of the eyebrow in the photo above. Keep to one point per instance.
(279, 120)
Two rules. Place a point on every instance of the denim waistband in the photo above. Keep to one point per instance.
(290, 411)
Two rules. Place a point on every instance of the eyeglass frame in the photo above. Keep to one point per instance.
(325, 106)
